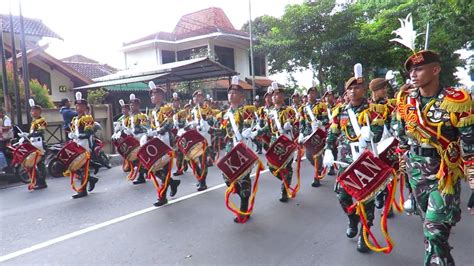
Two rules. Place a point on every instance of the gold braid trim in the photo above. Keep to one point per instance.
(466, 121)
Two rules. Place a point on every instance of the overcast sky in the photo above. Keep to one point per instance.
(97, 28)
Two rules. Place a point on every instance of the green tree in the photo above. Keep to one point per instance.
(97, 96)
(40, 94)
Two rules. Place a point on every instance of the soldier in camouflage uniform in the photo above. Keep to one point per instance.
(285, 115)
(309, 122)
(436, 128)
(343, 131)
(161, 123)
(237, 112)
(137, 124)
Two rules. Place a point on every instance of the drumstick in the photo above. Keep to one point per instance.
(342, 163)
(374, 148)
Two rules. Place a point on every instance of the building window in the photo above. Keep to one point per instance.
(259, 66)
(43, 77)
(192, 53)
(225, 56)
(167, 56)
(221, 95)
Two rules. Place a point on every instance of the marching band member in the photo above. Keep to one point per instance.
(263, 118)
(236, 129)
(137, 126)
(350, 127)
(161, 124)
(201, 119)
(436, 128)
(82, 130)
(308, 124)
(280, 123)
(180, 122)
(36, 137)
(379, 89)
(325, 110)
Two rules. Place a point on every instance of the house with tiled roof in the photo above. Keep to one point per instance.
(204, 32)
(57, 76)
(88, 67)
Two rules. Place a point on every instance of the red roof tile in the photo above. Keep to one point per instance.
(198, 23)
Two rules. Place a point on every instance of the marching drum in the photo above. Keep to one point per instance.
(281, 152)
(127, 146)
(73, 156)
(315, 142)
(365, 177)
(387, 152)
(192, 144)
(154, 154)
(25, 155)
(237, 163)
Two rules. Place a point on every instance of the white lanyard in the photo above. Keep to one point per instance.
(329, 114)
(237, 136)
(310, 113)
(274, 113)
(354, 123)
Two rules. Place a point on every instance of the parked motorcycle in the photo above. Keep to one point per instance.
(53, 164)
(8, 170)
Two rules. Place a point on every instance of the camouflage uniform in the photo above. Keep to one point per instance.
(342, 130)
(284, 114)
(434, 161)
(138, 123)
(244, 185)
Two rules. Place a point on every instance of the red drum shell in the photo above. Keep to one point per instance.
(153, 155)
(238, 162)
(280, 152)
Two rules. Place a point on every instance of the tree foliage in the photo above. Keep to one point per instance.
(97, 96)
(330, 38)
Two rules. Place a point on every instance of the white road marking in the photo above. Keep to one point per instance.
(108, 223)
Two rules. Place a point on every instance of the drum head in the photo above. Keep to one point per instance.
(78, 162)
(29, 161)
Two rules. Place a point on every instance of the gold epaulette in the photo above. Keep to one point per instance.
(466, 121)
(456, 100)
(336, 110)
(378, 108)
(250, 108)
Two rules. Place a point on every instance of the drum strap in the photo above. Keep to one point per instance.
(310, 113)
(329, 114)
(274, 114)
(237, 136)
(354, 122)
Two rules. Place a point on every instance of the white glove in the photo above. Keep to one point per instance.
(287, 126)
(246, 134)
(152, 133)
(181, 131)
(253, 134)
(193, 124)
(204, 125)
(143, 140)
(23, 135)
(328, 159)
(366, 134)
(300, 138)
(73, 135)
(128, 131)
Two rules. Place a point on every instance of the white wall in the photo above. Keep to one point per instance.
(142, 58)
(57, 79)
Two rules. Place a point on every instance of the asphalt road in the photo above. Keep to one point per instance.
(117, 224)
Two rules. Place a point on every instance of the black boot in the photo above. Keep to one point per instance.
(174, 187)
(316, 183)
(332, 171)
(244, 205)
(140, 179)
(361, 245)
(96, 166)
(81, 194)
(202, 185)
(160, 202)
(284, 196)
(92, 182)
(351, 231)
(178, 173)
(40, 183)
(380, 200)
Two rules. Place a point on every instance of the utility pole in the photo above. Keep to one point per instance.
(4, 70)
(24, 59)
(254, 91)
(15, 75)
